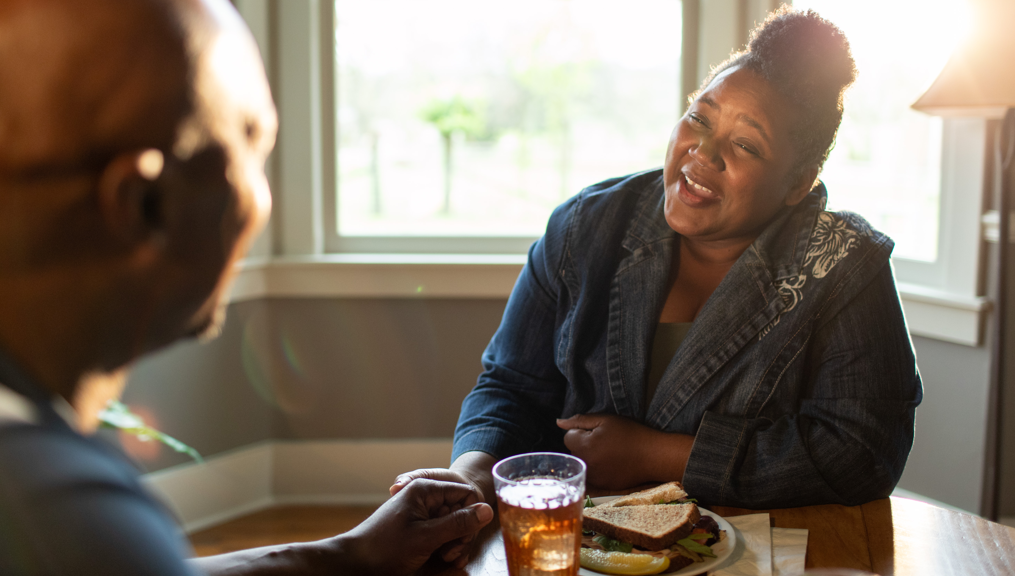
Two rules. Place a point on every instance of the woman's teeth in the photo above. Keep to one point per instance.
(698, 186)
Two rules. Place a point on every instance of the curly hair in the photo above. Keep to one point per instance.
(808, 61)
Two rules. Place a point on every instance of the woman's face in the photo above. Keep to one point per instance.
(729, 161)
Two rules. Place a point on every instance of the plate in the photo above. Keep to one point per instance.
(722, 549)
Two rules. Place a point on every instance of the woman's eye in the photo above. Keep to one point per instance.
(747, 148)
(697, 119)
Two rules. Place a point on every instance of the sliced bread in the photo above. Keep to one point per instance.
(650, 527)
(661, 494)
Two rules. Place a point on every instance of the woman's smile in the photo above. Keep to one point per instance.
(693, 193)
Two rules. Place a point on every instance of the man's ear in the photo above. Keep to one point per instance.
(129, 195)
(802, 186)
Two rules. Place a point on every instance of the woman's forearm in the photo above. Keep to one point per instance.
(665, 456)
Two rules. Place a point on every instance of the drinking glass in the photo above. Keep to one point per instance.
(540, 499)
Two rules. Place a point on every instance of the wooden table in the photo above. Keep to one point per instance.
(893, 536)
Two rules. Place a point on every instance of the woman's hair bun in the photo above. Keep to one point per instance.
(803, 55)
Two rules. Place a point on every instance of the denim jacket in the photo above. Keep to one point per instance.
(798, 378)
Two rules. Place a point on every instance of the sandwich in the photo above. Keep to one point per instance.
(654, 531)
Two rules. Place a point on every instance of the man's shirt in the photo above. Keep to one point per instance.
(70, 504)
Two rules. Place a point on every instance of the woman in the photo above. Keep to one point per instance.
(796, 383)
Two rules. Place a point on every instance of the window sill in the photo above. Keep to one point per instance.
(944, 316)
(930, 313)
(379, 276)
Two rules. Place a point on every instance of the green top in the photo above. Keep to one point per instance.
(668, 338)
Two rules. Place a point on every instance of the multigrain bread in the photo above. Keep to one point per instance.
(647, 526)
(661, 494)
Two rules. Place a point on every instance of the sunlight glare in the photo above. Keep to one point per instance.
(886, 163)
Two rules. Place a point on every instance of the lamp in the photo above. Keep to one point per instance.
(979, 80)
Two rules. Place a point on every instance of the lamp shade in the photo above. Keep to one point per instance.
(979, 78)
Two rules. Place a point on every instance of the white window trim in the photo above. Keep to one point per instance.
(941, 300)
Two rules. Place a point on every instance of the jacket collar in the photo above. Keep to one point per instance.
(22, 397)
(783, 254)
(649, 225)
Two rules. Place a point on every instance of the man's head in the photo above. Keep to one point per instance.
(133, 135)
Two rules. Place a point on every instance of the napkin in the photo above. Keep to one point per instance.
(752, 555)
(789, 549)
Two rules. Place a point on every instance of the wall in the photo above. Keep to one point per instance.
(948, 451)
(200, 394)
(314, 369)
(378, 368)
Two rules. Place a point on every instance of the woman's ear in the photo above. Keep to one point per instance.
(129, 195)
(801, 186)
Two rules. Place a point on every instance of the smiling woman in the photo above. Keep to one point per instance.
(711, 322)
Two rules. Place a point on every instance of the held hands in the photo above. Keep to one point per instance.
(418, 520)
(621, 453)
(471, 468)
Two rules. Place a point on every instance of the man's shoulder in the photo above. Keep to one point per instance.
(37, 457)
(68, 500)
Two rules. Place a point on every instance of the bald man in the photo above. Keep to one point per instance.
(133, 136)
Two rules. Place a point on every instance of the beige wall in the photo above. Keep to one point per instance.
(318, 368)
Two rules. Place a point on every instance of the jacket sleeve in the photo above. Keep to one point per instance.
(850, 438)
(520, 393)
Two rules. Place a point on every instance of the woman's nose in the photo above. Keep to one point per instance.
(707, 154)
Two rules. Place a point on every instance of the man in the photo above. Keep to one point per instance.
(133, 136)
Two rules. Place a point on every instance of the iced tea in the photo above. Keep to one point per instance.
(540, 514)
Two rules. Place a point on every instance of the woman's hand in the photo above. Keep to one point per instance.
(621, 453)
(471, 468)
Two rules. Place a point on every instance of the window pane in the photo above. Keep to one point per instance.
(461, 117)
(886, 163)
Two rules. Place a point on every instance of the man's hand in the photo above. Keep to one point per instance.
(621, 453)
(421, 518)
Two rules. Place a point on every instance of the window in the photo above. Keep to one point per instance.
(462, 124)
(886, 164)
(917, 178)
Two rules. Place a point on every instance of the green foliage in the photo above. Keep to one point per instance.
(455, 115)
(116, 415)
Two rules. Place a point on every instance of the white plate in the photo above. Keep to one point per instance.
(722, 549)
